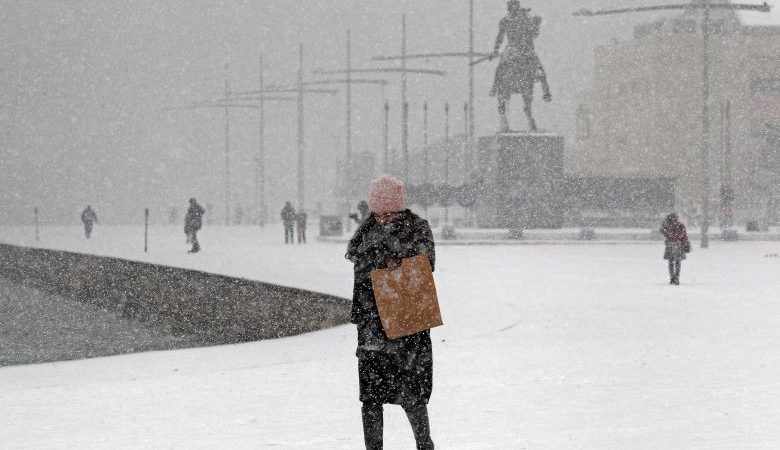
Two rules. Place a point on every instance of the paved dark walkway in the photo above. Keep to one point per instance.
(37, 326)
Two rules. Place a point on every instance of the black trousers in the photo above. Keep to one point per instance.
(674, 270)
(194, 241)
(288, 234)
(373, 425)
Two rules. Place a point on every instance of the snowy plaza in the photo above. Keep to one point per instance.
(586, 193)
(544, 346)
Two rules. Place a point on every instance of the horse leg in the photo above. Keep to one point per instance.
(503, 100)
(527, 97)
(545, 86)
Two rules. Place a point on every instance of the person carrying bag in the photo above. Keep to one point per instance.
(391, 371)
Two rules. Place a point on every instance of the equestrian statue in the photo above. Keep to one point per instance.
(519, 67)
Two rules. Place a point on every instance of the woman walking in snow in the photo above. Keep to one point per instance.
(676, 245)
(397, 371)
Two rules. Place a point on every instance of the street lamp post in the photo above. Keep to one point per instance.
(240, 100)
(348, 81)
(299, 89)
(226, 103)
(227, 146)
(425, 143)
(706, 6)
(301, 141)
(229, 103)
(446, 160)
(386, 138)
(470, 54)
(260, 206)
(404, 71)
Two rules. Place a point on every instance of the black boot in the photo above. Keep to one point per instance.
(418, 418)
(373, 424)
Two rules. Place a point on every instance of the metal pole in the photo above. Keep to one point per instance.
(470, 132)
(387, 138)
(705, 129)
(406, 142)
(349, 102)
(261, 156)
(404, 103)
(426, 162)
(465, 119)
(465, 138)
(146, 229)
(727, 162)
(466, 159)
(446, 155)
(348, 162)
(227, 146)
(300, 128)
(37, 235)
(426, 159)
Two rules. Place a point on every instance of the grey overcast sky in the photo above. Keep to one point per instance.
(84, 83)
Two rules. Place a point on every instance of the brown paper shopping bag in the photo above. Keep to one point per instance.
(406, 297)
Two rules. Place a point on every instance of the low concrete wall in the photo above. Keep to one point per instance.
(220, 309)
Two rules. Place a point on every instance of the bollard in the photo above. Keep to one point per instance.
(146, 229)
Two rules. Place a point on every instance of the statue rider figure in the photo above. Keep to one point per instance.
(519, 67)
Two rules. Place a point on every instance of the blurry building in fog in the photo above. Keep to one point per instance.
(642, 114)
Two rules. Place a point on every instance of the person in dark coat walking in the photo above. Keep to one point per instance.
(288, 219)
(396, 371)
(362, 213)
(193, 221)
(89, 218)
(675, 246)
(300, 226)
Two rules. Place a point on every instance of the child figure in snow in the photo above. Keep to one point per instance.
(396, 371)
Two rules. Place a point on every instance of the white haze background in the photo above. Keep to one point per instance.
(83, 84)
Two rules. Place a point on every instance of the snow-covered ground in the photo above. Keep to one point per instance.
(543, 347)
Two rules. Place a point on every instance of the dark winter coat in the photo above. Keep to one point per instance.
(193, 221)
(676, 244)
(288, 215)
(300, 220)
(390, 371)
(88, 216)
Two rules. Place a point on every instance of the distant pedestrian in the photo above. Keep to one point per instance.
(398, 371)
(192, 224)
(362, 213)
(300, 225)
(288, 219)
(675, 246)
(88, 218)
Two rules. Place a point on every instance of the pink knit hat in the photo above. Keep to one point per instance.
(387, 195)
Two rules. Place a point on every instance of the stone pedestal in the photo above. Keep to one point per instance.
(523, 180)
